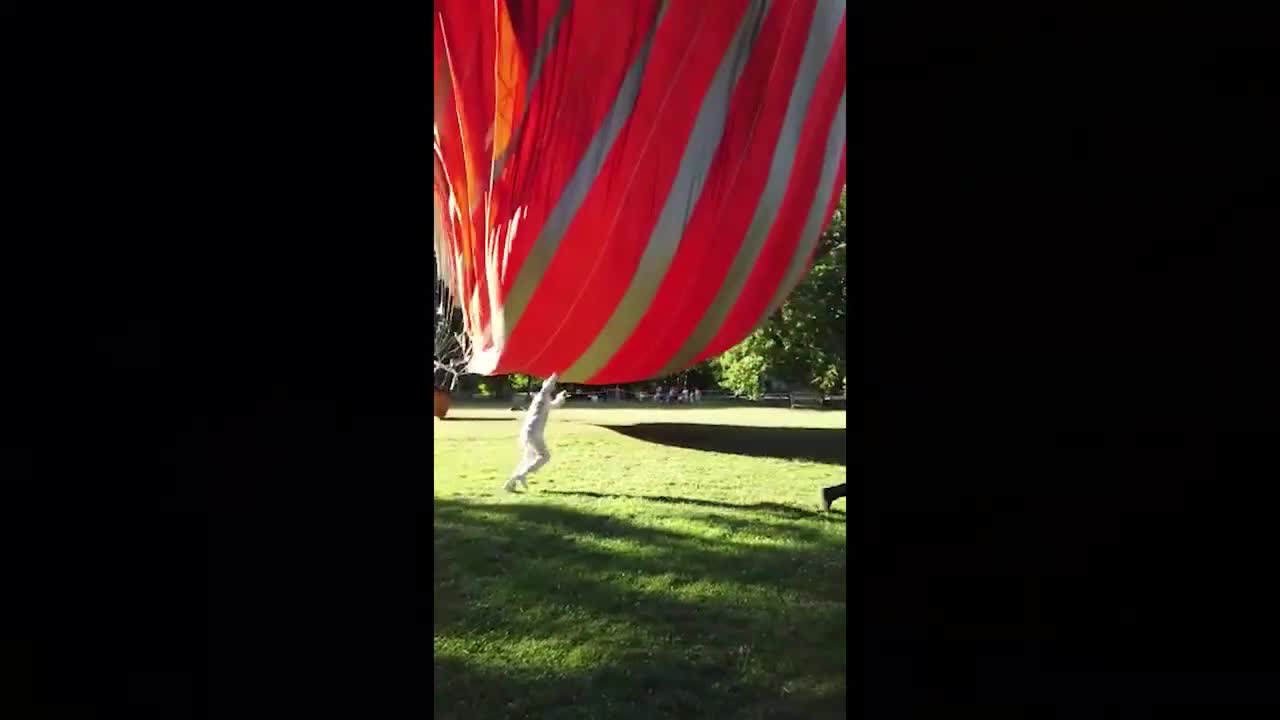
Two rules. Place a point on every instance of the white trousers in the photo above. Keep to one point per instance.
(535, 455)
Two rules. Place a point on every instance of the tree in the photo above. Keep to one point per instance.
(804, 342)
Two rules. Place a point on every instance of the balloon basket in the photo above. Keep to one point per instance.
(442, 403)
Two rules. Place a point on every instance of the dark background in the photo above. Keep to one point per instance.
(212, 273)
(1062, 293)
(215, 456)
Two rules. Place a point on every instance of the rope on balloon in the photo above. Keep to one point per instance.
(452, 346)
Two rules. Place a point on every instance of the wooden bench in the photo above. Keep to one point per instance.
(805, 399)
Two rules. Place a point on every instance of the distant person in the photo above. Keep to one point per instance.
(831, 494)
(697, 395)
(533, 446)
(657, 395)
(684, 396)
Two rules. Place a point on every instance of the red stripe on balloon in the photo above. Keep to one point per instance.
(780, 247)
(558, 119)
(589, 53)
(719, 221)
(599, 254)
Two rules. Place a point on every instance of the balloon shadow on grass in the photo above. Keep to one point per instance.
(820, 445)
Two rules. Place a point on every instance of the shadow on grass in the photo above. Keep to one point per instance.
(821, 445)
(788, 511)
(549, 612)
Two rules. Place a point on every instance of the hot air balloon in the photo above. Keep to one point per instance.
(626, 189)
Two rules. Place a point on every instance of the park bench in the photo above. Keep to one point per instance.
(805, 399)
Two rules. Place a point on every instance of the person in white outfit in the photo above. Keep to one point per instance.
(533, 446)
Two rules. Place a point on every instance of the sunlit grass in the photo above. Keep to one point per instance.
(640, 578)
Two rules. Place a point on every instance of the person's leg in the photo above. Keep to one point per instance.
(516, 477)
(539, 456)
(831, 494)
(522, 469)
(527, 457)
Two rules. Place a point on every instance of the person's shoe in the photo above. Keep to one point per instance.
(510, 486)
(824, 499)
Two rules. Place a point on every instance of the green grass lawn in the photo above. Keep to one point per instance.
(667, 562)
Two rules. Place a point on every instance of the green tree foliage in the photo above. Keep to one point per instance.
(804, 342)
